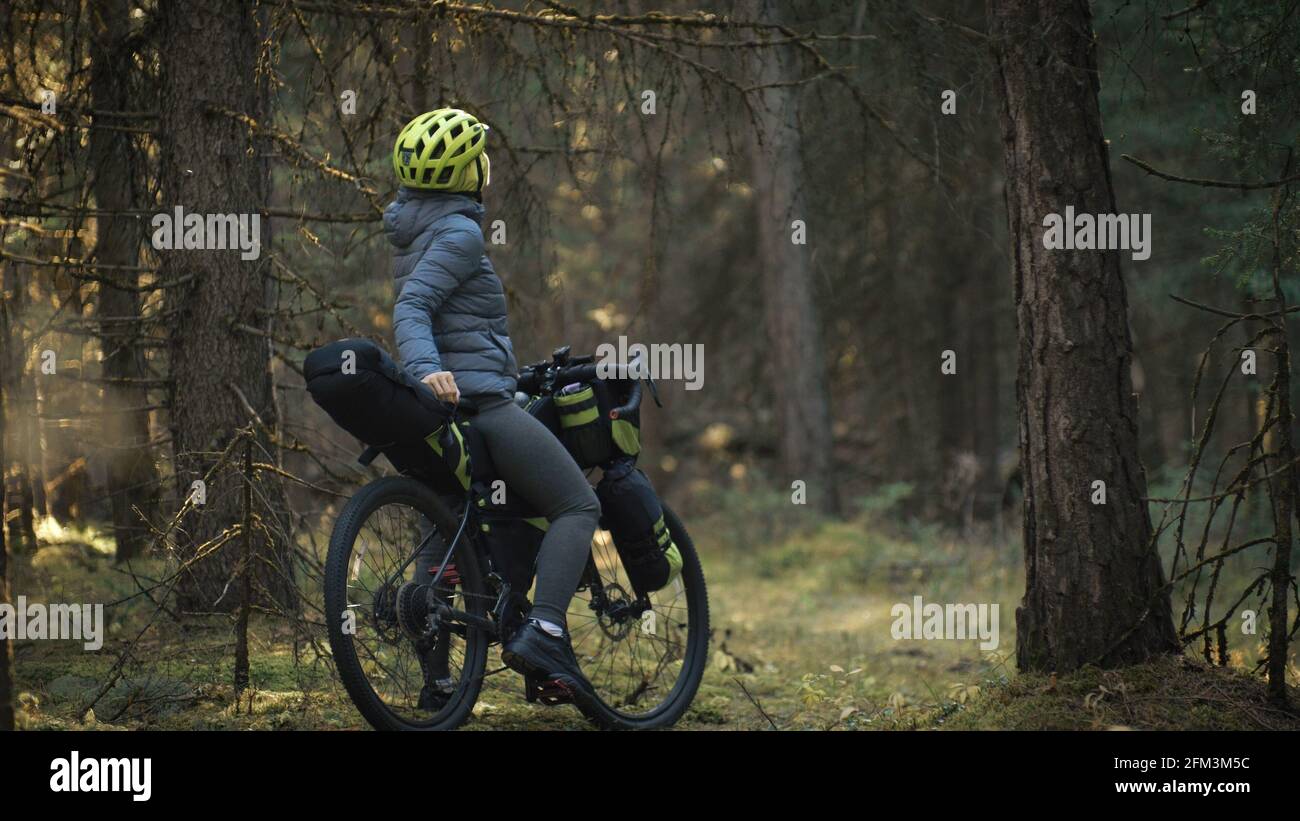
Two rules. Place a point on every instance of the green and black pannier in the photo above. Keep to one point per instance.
(631, 511)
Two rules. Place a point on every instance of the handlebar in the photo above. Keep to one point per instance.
(529, 381)
(545, 377)
(575, 373)
(633, 402)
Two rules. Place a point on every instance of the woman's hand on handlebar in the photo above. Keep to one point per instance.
(443, 385)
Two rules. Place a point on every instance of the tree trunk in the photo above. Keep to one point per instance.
(1093, 586)
(132, 477)
(985, 344)
(19, 491)
(212, 164)
(1284, 487)
(6, 646)
(794, 345)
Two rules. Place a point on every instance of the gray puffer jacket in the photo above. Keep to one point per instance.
(451, 309)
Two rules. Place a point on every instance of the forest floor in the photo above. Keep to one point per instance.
(802, 640)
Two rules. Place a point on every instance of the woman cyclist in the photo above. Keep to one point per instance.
(450, 324)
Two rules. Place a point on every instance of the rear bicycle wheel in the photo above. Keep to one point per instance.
(645, 668)
(403, 667)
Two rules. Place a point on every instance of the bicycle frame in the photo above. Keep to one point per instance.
(618, 612)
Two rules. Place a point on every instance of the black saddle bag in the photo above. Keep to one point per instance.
(369, 395)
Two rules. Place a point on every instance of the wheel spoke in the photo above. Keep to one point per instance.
(633, 664)
(387, 659)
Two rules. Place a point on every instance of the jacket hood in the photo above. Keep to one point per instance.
(413, 211)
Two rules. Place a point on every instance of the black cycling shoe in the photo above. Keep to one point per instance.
(539, 655)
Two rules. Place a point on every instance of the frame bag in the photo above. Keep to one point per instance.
(513, 535)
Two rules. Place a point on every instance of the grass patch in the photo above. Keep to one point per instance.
(1171, 693)
(801, 640)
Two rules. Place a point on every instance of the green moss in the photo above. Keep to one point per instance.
(1171, 693)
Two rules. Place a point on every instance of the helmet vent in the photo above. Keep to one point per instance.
(436, 150)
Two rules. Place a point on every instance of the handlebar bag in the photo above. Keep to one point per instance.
(626, 432)
(370, 396)
(584, 424)
(632, 513)
(585, 427)
(543, 410)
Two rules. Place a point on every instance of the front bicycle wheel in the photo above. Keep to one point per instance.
(645, 664)
(404, 666)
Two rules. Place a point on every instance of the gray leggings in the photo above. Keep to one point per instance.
(535, 465)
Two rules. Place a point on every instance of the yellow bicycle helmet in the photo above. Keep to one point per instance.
(443, 151)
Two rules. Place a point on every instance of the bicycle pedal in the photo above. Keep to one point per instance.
(550, 692)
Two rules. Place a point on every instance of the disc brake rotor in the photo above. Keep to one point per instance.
(615, 618)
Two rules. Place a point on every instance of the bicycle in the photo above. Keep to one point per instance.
(413, 655)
